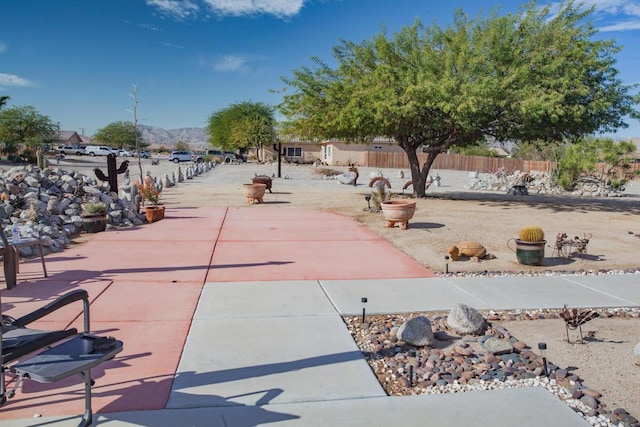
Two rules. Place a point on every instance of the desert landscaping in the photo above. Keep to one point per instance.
(453, 213)
(450, 214)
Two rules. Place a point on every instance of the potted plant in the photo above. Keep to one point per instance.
(150, 192)
(94, 217)
(530, 245)
(254, 192)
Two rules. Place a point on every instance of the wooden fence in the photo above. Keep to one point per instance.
(398, 160)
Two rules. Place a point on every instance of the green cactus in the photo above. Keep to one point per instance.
(531, 233)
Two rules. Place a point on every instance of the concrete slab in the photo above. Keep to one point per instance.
(137, 260)
(305, 260)
(293, 359)
(524, 407)
(147, 302)
(505, 293)
(263, 299)
(327, 227)
(625, 288)
(395, 295)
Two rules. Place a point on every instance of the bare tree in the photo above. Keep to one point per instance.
(134, 94)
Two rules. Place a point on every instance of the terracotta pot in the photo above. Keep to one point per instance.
(254, 192)
(154, 213)
(94, 223)
(400, 211)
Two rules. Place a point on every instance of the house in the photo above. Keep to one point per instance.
(339, 153)
(70, 138)
(331, 152)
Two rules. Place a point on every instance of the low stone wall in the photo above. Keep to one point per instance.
(47, 203)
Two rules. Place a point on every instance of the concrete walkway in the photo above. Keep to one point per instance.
(231, 317)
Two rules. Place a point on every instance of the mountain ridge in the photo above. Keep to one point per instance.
(157, 136)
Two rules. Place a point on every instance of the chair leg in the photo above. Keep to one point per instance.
(44, 267)
(87, 418)
(10, 264)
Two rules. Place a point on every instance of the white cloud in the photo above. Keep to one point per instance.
(279, 8)
(178, 9)
(613, 15)
(173, 45)
(230, 63)
(184, 9)
(621, 26)
(3, 47)
(11, 80)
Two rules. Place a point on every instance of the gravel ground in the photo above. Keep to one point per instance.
(451, 214)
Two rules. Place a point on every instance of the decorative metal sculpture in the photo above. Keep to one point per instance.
(574, 319)
(113, 172)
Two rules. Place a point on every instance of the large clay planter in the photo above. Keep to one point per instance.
(94, 223)
(529, 253)
(400, 211)
(254, 192)
(154, 213)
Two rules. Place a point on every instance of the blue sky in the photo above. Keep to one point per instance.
(76, 60)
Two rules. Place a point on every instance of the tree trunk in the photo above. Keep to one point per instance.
(419, 176)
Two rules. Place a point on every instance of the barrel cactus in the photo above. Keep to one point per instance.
(531, 233)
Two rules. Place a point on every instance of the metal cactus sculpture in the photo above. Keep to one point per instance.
(112, 172)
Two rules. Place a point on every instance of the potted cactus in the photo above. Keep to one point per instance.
(530, 245)
(94, 217)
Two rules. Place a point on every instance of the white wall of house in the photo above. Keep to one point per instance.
(336, 153)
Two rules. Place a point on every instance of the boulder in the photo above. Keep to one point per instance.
(416, 331)
(465, 320)
(497, 346)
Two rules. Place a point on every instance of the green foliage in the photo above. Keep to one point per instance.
(3, 101)
(522, 76)
(182, 146)
(481, 148)
(119, 135)
(242, 126)
(379, 194)
(94, 208)
(25, 125)
(537, 150)
(600, 160)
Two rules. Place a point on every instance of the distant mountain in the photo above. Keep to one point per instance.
(155, 136)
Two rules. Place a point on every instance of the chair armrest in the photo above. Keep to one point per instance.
(68, 298)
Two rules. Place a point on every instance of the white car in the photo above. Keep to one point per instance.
(100, 150)
(125, 153)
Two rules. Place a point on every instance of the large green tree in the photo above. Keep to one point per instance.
(25, 125)
(514, 77)
(242, 126)
(120, 135)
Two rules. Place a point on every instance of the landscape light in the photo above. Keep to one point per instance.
(543, 352)
(364, 301)
(412, 364)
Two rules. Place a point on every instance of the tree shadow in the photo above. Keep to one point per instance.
(425, 225)
(622, 205)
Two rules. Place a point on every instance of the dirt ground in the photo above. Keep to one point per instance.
(451, 214)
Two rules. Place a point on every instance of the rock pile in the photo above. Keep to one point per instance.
(490, 359)
(48, 203)
(536, 183)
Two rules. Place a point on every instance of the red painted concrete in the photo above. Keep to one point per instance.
(144, 284)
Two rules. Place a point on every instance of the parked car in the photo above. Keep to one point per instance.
(185, 156)
(100, 150)
(69, 149)
(125, 153)
(145, 154)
